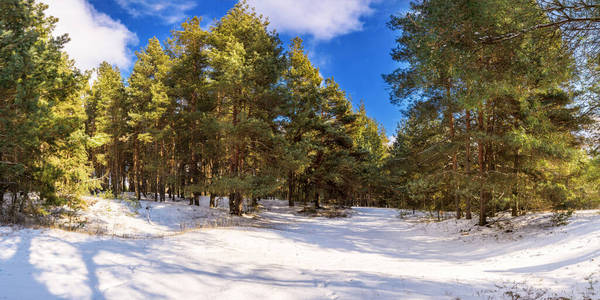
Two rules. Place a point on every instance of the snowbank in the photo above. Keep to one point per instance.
(125, 218)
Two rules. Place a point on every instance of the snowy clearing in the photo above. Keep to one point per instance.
(374, 254)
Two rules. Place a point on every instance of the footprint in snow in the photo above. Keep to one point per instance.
(333, 296)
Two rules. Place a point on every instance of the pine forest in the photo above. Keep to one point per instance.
(262, 175)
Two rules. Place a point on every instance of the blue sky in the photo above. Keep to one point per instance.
(346, 39)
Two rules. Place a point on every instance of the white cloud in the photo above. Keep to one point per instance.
(323, 19)
(318, 58)
(170, 11)
(95, 37)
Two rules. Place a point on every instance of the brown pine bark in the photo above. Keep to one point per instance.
(291, 189)
(136, 168)
(232, 203)
(454, 167)
(468, 215)
(236, 204)
(236, 201)
(212, 203)
(161, 172)
(515, 205)
(482, 192)
(114, 168)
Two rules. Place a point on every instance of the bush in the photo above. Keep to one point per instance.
(561, 218)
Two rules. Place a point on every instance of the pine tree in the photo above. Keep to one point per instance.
(110, 99)
(247, 62)
(371, 145)
(199, 128)
(450, 66)
(303, 87)
(331, 168)
(152, 115)
(41, 123)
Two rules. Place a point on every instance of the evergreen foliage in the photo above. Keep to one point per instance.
(494, 114)
(43, 157)
(488, 122)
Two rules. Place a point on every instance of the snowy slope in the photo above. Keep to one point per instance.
(372, 255)
(141, 219)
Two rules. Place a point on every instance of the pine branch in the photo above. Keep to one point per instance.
(513, 35)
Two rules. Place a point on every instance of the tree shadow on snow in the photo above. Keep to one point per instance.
(398, 239)
(51, 267)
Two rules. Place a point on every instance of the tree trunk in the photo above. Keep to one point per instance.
(232, 203)
(161, 172)
(136, 168)
(236, 204)
(1, 202)
(235, 199)
(123, 178)
(144, 187)
(22, 202)
(240, 204)
(212, 200)
(196, 199)
(15, 198)
(156, 187)
(482, 192)
(454, 168)
(515, 205)
(162, 191)
(291, 189)
(115, 169)
(468, 215)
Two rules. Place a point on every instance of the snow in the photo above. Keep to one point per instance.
(125, 218)
(373, 254)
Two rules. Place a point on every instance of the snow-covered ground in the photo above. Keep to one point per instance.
(146, 219)
(374, 254)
